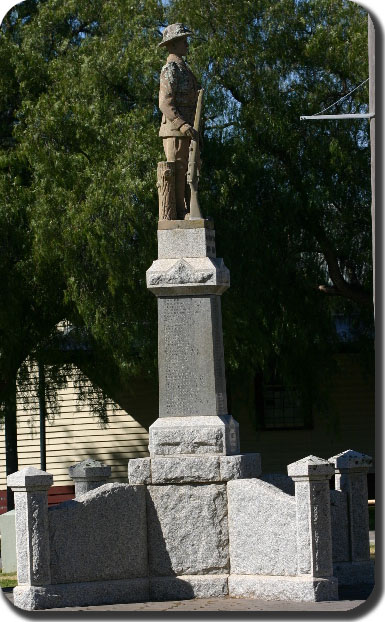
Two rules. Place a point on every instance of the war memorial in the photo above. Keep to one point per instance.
(197, 518)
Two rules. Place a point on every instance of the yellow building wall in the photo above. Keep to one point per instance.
(74, 434)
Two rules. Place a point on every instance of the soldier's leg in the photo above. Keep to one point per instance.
(177, 150)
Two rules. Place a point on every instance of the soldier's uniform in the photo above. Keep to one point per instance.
(178, 96)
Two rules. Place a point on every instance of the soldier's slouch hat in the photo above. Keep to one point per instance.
(174, 31)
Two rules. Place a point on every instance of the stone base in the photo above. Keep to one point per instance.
(81, 594)
(193, 469)
(173, 436)
(268, 587)
(188, 586)
(349, 573)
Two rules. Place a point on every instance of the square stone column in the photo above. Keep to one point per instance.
(351, 477)
(31, 486)
(89, 474)
(188, 280)
(351, 471)
(314, 540)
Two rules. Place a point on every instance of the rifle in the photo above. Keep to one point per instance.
(193, 159)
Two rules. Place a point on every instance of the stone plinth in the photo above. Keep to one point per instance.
(188, 280)
(193, 469)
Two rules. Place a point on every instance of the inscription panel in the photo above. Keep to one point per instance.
(191, 376)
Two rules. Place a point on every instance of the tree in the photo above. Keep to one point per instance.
(79, 86)
(295, 195)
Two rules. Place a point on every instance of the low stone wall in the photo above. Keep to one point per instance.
(262, 529)
(88, 535)
(240, 536)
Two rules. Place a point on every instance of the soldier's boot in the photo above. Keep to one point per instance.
(180, 186)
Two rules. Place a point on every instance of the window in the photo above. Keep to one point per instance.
(280, 408)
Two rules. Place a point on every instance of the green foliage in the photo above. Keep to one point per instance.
(8, 579)
(78, 153)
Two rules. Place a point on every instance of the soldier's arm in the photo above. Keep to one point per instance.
(167, 91)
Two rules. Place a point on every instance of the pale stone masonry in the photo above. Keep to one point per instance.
(32, 534)
(350, 519)
(89, 474)
(196, 519)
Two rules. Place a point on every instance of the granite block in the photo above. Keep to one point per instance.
(190, 357)
(281, 481)
(314, 539)
(187, 529)
(139, 471)
(310, 467)
(89, 534)
(188, 277)
(185, 469)
(191, 242)
(351, 460)
(303, 589)
(340, 526)
(188, 586)
(30, 478)
(172, 436)
(81, 594)
(241, 466)
(262, 529)
(32, 542)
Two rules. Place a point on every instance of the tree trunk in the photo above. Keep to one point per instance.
(11, 462)
(166, 190)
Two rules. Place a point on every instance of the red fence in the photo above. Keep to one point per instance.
(56, 494)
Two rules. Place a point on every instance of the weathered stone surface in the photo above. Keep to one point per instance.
(187, 529)
(194, 435)
(187, 242)
(314, 540)
(197, 223)
(186, 469)
(310, 467)
(88, 475)
(188, 586)
(340, 526)
(351, 460)
(262, 529)
(188, 277)
(351, 478)
(191, 362)
(89, 535)
(350, 573)
(89, 469)
(81, 594)
(139, 471)
(280, 480)
(30, 478)
(241, 466)
(31, 521)
(306, 589)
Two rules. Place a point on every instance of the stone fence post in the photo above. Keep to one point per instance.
(351, 469)
(314, 540)
(88, 475)
(30, 486)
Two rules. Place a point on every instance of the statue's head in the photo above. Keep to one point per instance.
(175, 38)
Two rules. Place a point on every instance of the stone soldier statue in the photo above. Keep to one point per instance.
(178, 95)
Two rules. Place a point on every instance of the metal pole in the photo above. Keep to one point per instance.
(42, 410)
(316, 117)
(372, 110)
